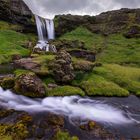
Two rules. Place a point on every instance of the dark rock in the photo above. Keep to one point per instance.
(62, 67)
(88, 55)
(104, 23)
(30, 85)
(133, 32)
(16, 57)
(27, 63)
(97, 130)
(68, 44)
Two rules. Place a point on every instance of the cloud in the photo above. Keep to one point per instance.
(50, 8)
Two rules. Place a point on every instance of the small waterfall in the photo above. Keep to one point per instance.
(50, 28)
(40, 28)
(45, 27)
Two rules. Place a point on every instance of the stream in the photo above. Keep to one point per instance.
(121, 116)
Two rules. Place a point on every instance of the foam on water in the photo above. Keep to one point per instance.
(72, 107)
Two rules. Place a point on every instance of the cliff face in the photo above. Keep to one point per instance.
(106, 23)
(16, 11)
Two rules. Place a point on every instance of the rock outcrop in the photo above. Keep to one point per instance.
(62, 68)
(30, 85)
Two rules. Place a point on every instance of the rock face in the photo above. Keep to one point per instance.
(62, 67)
(17, 12)
(105, 23)
(30, 85)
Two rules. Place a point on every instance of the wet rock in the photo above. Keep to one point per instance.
(7, 82)
(97, 130)
(62, 68)
(30, 85)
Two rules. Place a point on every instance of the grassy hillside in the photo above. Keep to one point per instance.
(114, 48)
(12, 42)
(119, 74)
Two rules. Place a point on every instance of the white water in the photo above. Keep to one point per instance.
(50, 28)
(45, 27)
(72, 107)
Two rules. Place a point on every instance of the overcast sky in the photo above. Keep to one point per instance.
(49, 8)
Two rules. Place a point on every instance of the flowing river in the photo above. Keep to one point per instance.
(121, 114)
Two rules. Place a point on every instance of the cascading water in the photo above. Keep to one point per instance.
(50, 28)
(45, 27)
(72, 107)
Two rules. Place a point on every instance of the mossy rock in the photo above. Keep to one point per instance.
(30, 85)
(8, 82)
(82, 65)
(65, 91)
(62, 135)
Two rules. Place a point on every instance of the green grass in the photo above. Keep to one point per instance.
(126, 77)
(11, 44)
(65, 91)
(112, 49)
(95, 85)
(7, 26)
(121, 50)
(60, 135)
(92, 41)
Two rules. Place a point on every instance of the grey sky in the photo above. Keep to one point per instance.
(49, 8)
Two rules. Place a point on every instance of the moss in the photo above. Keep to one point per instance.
(64, 136)
(65, 91)
(98, 86)
(8, 26)
(14, 131)
(82, 65)
(8, 83)
(19, 72)
(126, 77)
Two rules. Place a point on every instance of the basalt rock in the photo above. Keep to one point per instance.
(62, 68)
(30, 85)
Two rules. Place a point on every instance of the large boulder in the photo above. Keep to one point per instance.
(62, 68)
(30, 85)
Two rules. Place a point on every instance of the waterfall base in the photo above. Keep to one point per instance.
(45, 46)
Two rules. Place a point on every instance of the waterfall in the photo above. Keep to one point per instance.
(40, 28)
(50, 28)
(45, 27)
